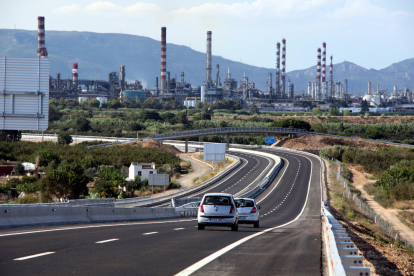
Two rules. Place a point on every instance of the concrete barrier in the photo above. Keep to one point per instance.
(45, 215)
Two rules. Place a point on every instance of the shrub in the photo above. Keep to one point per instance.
(64, 139)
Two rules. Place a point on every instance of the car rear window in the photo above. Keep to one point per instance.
(217, 200)
(245, 203)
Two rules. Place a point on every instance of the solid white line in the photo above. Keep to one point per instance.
(107, 241)
(95, 226)
(178, 228)
(33, 256)
(189, 270)
(150, 233)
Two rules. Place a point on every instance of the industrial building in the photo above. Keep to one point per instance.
(321, 91)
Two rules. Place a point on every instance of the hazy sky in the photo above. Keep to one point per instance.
(370, 33)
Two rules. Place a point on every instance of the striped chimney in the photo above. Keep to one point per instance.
(331, 78)
(318, 75)
(278, 69)
(324, 62)
(283, 67)
(75, 75)
(163, 59)
(41, 48)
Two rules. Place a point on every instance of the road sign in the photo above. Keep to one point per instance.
(158, 179)
(24, 96)
(270, 139)
(214, 152)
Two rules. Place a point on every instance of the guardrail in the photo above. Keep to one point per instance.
(343, 255)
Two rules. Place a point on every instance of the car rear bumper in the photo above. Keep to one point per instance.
(210, 220)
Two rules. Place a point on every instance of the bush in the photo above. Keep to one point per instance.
(64, 139)
(28, 199)
(173, 185)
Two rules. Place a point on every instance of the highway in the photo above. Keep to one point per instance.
(288, 241)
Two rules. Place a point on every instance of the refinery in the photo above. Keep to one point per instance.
(322, 92)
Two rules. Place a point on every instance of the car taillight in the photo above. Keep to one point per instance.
(231, 209)
(254, 210)
(201, 207)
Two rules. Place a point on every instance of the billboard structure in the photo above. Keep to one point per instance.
(24, 93)
(158, 179)
(214, 152)
(270, 139)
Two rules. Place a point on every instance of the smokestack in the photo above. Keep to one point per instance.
(318, 75)
(41, 48)
(324, 92)
(122, 77)
(278, 70)
(378, 91)
(283, 67)
(269, 85)
(168, 81)
(163, 59)
(331, 79)
(345, 87)
(156, 83)
(369, 88)
(182, 78)
(75, 76)
(208, 61)
(218, 84)
(309, 88)
(58, 81)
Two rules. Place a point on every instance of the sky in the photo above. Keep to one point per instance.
(371, 33)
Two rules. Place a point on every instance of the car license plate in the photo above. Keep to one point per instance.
(216, 220)
(243, 217)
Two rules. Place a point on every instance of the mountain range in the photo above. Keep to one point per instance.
(98, 54)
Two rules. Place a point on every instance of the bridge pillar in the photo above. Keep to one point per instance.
(186, 145)
(227, 141)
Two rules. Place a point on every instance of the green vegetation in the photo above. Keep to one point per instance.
(65, 166)
(394, 168)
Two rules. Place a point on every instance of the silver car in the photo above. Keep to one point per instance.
(248, 211)
(218, 209)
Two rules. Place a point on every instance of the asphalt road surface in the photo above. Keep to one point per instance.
(287, 243)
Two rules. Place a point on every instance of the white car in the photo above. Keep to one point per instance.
(218, 209)
(248, 211)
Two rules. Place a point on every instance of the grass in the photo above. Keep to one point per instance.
(404, 204)
(407, 218)
(378, 195)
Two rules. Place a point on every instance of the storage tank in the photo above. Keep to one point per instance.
(185, 103)
(193, 103)
(202, 93)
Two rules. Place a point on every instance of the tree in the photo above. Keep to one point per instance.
(64, 139)
(253, 109)
(82, 124)
(46, 155)
(333, 111)
(292, 123)
(67, 181)
(10, 135)
(19, 169)
(374, 133)
(364, 106)
(113, 103)
(346, 112)
(109, 181)
(316, 111)
(28, 185)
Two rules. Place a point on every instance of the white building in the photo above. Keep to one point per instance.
(143, 170)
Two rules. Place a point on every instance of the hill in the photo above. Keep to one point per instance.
(99, 54)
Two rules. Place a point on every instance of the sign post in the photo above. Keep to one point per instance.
(270, 139)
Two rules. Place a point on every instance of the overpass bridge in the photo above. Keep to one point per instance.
(294, 132)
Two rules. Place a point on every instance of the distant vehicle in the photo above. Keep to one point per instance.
(248, 211)
(218, 209)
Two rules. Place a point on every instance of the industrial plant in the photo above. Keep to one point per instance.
(322, 92)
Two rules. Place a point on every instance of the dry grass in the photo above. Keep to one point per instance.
(404, 204)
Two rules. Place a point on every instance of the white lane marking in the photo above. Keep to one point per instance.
(107, 241)
(33, 256)
(178, 228)
(191, 269)
(96, 226)
(276, 183)
(150, 233)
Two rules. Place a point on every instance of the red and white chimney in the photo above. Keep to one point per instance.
(75, 76)
(318, 75)
(41, 48)
(163, 59)
(278, 69)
